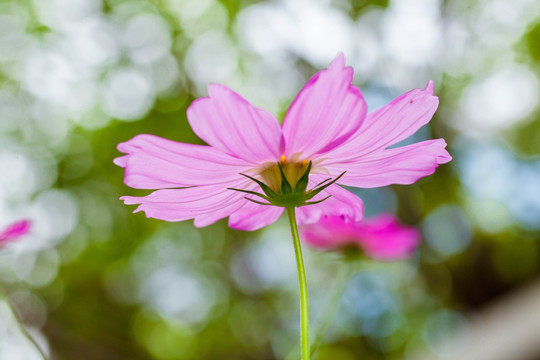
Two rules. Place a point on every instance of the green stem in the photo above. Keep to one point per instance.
(20, 324)
(304, 303)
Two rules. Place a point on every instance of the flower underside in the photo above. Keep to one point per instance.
(285, 184)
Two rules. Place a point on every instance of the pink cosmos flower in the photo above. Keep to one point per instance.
(14, 231)
(325, 132)
(381, 237)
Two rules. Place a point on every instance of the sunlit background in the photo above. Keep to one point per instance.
(93, 281)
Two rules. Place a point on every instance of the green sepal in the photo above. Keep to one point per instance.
(267, 190)
(311, 193)
(322, 182)
(257, 202)
(287, 197)
(318, 201)
(286, 187)
(302, 183)
(252, 193)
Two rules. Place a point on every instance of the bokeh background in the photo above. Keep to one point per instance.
(94, 281)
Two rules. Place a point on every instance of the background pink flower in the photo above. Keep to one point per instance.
(326, 124)
(14, 231)
(381, 237)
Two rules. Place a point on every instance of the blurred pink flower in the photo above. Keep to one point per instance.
(14, 231)
(381, 237)
(325, 125)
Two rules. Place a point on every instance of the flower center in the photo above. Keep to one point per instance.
(293, 171)
(285, 184)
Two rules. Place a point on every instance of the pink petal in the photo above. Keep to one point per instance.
(15, 230)
(325, 113)
(381, 237)
(384, 238)
(403, 165)
(153, 162)
(390, 124)
(252, 216)
(329, 232)
(205, 204)
(228, 122)
(342, 202)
